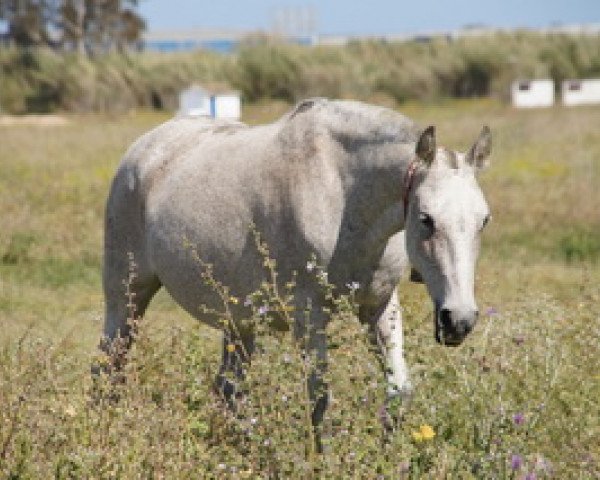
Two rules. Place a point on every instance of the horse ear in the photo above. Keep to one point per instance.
(481, 149)
(426, 148)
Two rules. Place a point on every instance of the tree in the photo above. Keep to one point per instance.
(92, 26)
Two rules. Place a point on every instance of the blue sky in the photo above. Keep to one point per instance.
(370, 16)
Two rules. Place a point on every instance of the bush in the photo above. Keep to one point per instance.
(42, 80)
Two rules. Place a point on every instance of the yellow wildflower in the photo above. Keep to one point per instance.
(427, 432)
(234, 300)
(424, 433)
(230, 347)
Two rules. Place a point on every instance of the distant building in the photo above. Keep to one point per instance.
(581, 92)
(532, 93)
(198, 101)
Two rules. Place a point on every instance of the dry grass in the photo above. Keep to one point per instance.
(534, 353)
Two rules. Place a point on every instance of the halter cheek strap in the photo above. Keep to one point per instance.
(408, 182)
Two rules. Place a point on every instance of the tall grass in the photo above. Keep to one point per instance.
(41, 80)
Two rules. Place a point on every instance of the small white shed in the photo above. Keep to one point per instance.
(226, 105)
(532, 93)
(197, 101)
(581, 92)
(194, 101)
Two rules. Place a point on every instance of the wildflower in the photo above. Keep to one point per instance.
(516, 462)
(323, 276)
(353, 286)
(424, 433)
(518, 419)
(542, 464)
(263, 309)
(233, 300)
(253, 421)
(284, 398)
(531, 476)
(230, 347)
(248, 301)
(221, 466)
(70, 411)
(427, 432)
(491, 312)
(310, 266)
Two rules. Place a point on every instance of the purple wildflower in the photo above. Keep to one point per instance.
(519, 419)
(542, 464)
(491, 312)
(531, 476)
(516, 462)
(263, 309)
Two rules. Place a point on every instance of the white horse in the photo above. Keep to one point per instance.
(357, 186)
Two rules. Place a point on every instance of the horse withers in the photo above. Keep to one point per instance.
(360, 189)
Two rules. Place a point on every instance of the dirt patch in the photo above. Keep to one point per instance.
(33, 120)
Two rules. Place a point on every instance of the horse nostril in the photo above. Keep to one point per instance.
(445, 318)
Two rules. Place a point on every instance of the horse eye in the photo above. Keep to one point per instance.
(485, 221)
(426, 221)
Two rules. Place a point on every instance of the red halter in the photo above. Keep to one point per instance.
(408, 181)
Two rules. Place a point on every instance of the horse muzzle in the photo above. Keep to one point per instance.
(453, 325)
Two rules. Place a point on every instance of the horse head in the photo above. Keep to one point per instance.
(446, 212)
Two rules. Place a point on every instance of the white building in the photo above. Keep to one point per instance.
(194, 101)
(532, 93)
(197, 101)
(581, 92)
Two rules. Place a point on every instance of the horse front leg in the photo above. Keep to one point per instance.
(386, 336)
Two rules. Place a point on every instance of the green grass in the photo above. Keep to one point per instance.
(534, 352)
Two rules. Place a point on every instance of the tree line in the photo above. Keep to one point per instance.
(83, 26)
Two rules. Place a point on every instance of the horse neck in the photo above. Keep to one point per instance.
(373, 210)
(375, 184)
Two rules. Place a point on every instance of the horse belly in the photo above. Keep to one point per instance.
(185, 238)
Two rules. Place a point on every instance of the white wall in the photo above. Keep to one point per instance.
(227, 106)
(532, 93)
(194, 101)
(581, 92)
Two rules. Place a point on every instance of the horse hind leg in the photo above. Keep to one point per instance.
(129, 285)
(237, 352)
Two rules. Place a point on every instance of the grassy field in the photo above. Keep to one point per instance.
(519, 399)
